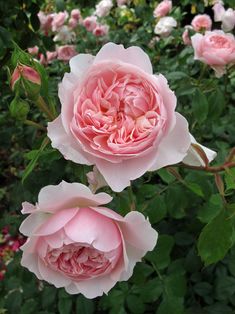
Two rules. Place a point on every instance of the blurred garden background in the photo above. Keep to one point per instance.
(192, 268)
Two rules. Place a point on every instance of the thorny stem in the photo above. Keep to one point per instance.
(212, 169)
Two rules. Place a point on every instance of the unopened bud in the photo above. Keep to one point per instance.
(26, 79)
(19, 109)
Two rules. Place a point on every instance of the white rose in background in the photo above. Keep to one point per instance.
(65, 35)
(103, 8)
(165, 26)
(227, 17)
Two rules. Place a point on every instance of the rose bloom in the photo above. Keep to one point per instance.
(228, 20)
(76, 243)
(216, 49)
(33, 50)
(51, 55)
(201, 22)
(45, 21)
(118, 116)
(165, 26)
(65, 35)
(76, 14)
(101, 30)
(90, 23)
(103, 8)
(59, 20)
(186, 38)
(163, 8)
(122, 2)
(72, 23)
(66, 52)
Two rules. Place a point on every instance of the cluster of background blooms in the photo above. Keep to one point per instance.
(8, 246)
(165, 24)
(215, 48)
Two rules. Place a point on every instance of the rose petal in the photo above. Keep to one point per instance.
(65, 143)
(53, 198)
(88, 227)
(133, 55)
(174, 146)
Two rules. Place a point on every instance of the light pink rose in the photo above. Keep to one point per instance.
(228, 20)
(103, 8)
(66, 52)
(76, 14)
(122, 2)
(51, 55)
(72, 23)
(163, 8)
(90, 23)
(216, 49)
(101, 30)
(59, 20)
(45, 21)
(33, 50)
(119, 116)
(76, 243)
(186, 38)
(201, 22)
(219, 10)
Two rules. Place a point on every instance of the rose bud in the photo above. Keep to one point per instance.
(28, 79)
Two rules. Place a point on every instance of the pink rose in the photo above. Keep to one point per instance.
(66, 52)
(122, 2)
(163, 8)
(59, 20)
(201, 22)
(186, 38)
(119, 116)
(76, 14)
(101, 30)
(72, 23)
(90, 23)
(45, 21)
(216, 49)
(51, 55)
(33, 50)
(67, 245)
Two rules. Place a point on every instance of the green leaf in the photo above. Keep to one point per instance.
(29, 307)
(230, 179)
(216, 102)
(216, 239)
(65, 305)
(19, 109)
(13, 301)
(171, 305)
(175, 285)
(195, 188)
(161, 255)
(135, 304)
(210, 209)
(200, 106)
(225, 287)
(33, 161)
(203, 288)
(84, 306)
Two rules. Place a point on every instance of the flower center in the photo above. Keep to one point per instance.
(219, 41)
(80, 262)
(117, 108)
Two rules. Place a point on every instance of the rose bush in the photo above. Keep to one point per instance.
(77, 244)
(117, 115)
